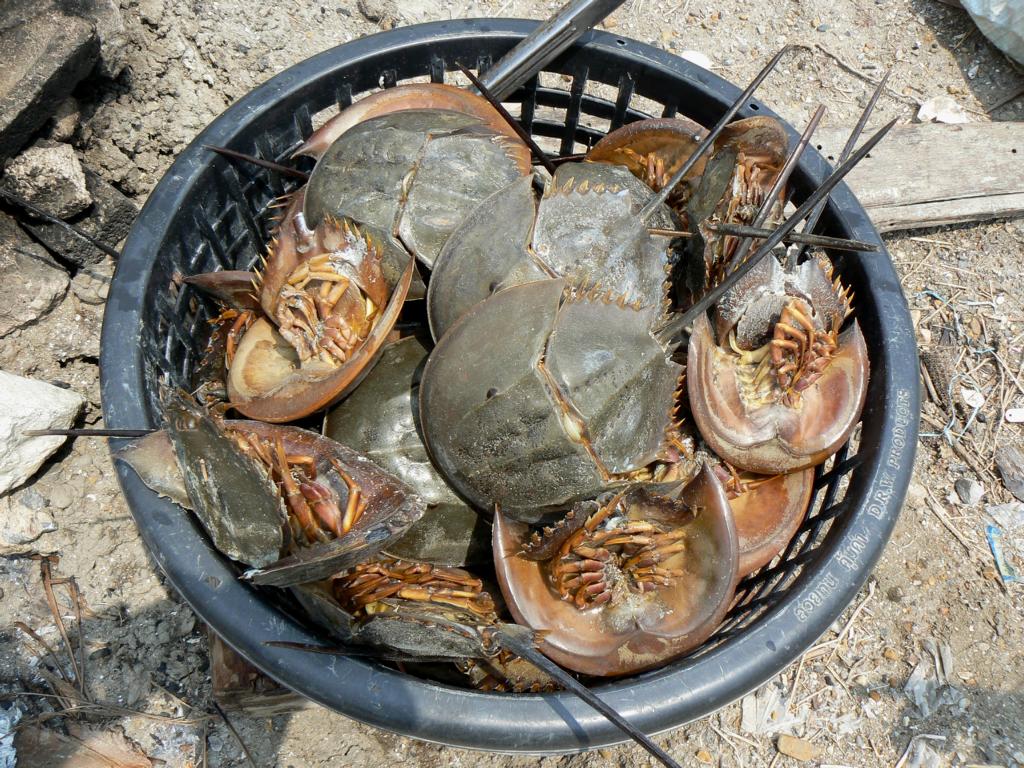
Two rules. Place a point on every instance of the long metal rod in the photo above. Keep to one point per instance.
(514, 124)
(777, 188)
(542, 45)
(21, 202)
(812, 220)
(708, 141)
(542, 662)
(678, 324)
(236, 155)
(759, 233)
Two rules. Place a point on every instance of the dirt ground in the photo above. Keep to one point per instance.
(936, 582)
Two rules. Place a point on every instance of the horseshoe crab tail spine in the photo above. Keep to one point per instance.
(702, 149)
(70, 228)
(778, 187)
(526, 650)
(521, 132)
(858, 129)
(671, 332)
(235, 155)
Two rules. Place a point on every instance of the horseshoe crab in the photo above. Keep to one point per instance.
(585, 225)
(414, 175)
(403, 98)
(264, 490)
(767, 512)
(328, 308)
(365, 602)
(380, 419)
(653, 150)
(746, 159)
(775, 385)
(548, 393)
(414, 611)
(626, 582)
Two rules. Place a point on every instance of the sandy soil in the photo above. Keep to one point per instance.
(146, 651)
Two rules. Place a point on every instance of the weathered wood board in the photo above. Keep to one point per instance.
(931, 174)
(239, 686)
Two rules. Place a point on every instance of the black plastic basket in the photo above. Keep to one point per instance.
(208, 213)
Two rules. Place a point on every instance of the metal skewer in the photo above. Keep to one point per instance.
(759, 233)
(675, 326)
(777, 188)
(537, 49)
(812, 220)
(708, 141)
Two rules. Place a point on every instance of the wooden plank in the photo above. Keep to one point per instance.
(239, 686)
(931, 174)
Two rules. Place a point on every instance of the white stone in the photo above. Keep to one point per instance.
(28, 404)
(698, 58)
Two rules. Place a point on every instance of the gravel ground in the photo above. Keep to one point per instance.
(145, 650)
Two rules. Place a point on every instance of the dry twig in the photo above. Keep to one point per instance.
(238, 738)
(857, 73)
(939, 513)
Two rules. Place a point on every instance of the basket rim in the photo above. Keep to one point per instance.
(555, 723)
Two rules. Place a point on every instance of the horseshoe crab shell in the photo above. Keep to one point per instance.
(403, 98)
(381, 420)
(545, 394)
(414, 174)
(768, 515)
(636, 629)
(585, 226)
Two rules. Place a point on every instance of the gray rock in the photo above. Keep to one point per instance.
(65, 120)
(21, 525)
(32, 499)
(29, 404)
(383, 12)
(62, 497)
(107, 220)
(969, 490)
(72, 331)
(151, 11)
(46, 53)
(92, 283)
(106, 16)
(31, 282)
(49, 176)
